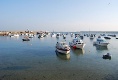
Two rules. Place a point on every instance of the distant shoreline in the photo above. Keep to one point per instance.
(63, 31)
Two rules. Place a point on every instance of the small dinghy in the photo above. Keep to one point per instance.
(107, 56)
(26, 38)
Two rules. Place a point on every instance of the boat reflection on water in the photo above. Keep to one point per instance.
(101, 47)
(77, 51)
(63, 56)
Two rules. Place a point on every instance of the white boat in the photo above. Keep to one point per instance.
(14, 35)
(53, 35)
(62, 47)
(100, 41)
(31, 36)
(77, 43)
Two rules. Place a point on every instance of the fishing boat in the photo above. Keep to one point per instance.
(77, 43)
(62, 47)
(101, 41)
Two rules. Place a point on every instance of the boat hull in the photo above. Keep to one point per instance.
(40, 37)
(116, 37)
(107, 37)
(100, 44)
(63, 51)
(79, 46)
(26, 39)
(106, 57)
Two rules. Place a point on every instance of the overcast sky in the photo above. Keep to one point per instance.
(59, 15)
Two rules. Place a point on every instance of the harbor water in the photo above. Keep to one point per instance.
(37, 60)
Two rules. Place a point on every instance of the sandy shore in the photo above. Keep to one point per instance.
(57, 75)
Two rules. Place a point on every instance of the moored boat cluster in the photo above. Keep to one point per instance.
(63, 47)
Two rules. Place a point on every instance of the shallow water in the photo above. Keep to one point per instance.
(37, 60)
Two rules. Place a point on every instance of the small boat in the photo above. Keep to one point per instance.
(116, 37)
(57, 35)
(71, 34)
(64, 36)
(91, 36)
(77, 43)
(31, 36)
(53, 35)
(81, 36)
(62, 47)
(26, 38)
(40, 36)
(14, 35)
(112, 35)
(107, 56)
(84, 34)
(44, 35)
(100, 41)
(107, 37)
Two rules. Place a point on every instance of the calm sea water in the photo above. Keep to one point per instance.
(37, 60)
